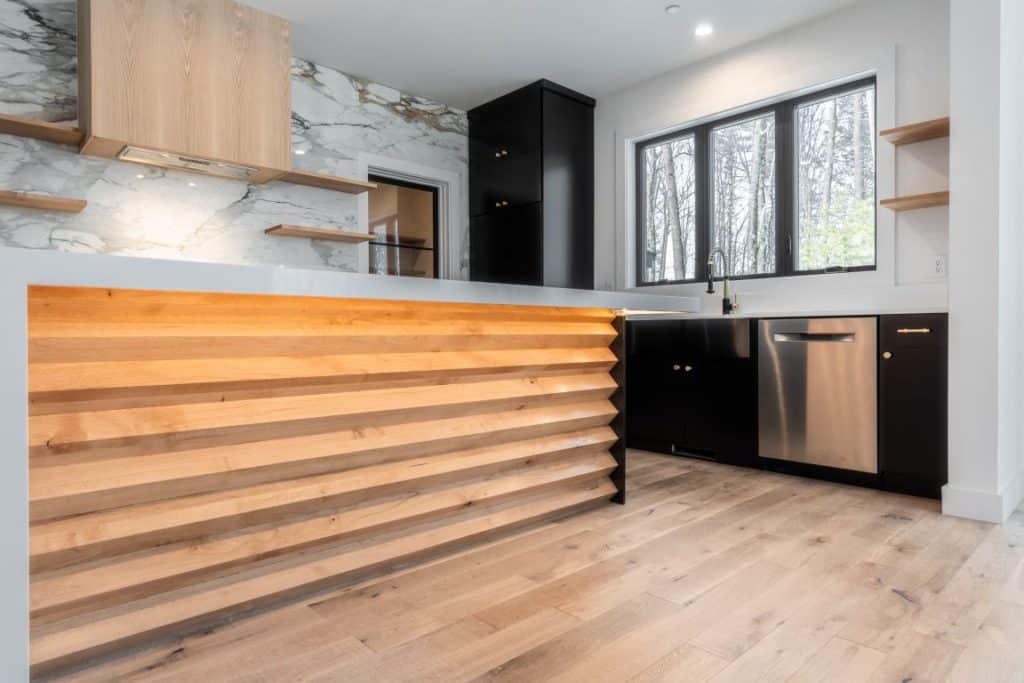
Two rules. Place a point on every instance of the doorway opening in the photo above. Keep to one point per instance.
(403, 219)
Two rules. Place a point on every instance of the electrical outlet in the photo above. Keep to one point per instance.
(940, 265)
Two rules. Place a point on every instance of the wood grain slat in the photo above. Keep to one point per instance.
(119, 374)
(443, 400)
(164, 567)
(104, 306)
(310, 327)
(73, 488)
(128, 528)
(93, 349)
(61, 644)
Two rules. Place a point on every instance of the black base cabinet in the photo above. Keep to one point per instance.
(691, 389)
(912, 405)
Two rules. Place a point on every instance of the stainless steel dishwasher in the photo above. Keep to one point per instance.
(817, 391)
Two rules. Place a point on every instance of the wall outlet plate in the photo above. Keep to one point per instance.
(940, 265)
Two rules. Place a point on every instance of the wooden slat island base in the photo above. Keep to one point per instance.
(194, 457)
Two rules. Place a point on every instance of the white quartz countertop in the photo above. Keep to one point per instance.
(817, 313)
(22, 267)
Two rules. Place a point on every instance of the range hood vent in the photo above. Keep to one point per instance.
(152, 157)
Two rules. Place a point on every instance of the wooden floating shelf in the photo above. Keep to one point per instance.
(326, 182)
(31, 200)
(917, 132)
(917, 201)
(26, 127)
(63, 134)
(318, 233)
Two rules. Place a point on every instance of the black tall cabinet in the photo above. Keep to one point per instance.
(531, 188)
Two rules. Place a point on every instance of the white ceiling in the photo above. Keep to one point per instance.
(465, 52)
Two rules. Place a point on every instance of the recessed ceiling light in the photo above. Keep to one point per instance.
(191, 184)
(703, 30)
(300, 152)
(671, 9)
(139, 176)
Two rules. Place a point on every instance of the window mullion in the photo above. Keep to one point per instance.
(785, 187)
(702, 179)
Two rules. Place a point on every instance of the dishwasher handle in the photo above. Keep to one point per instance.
(809, 337)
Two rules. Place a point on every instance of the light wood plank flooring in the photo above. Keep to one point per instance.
(710, 573)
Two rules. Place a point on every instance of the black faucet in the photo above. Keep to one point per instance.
(728, 305)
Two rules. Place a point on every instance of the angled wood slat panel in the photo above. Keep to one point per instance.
(112, 424)
(60, 644)
(118, 305)
(166, 566)
(310, 327)
(74, 488)
(129, 528)
(193, 455)
(93, 349)
(115, 374)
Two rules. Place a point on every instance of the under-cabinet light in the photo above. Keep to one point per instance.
(140, 155)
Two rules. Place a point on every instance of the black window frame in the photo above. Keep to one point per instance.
(786, 187)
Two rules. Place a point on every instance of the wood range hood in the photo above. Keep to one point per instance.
(195, 85)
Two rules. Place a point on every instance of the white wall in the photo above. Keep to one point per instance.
(1011, 253)
(906, 44)
(985, 380)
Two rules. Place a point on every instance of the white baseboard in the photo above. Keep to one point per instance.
(1013, 494)
(984, 506)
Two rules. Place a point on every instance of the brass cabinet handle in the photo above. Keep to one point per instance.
(887, 355)
(914, 330)
(676, 367)
(686, 368)
(503, 202)
(501, 153)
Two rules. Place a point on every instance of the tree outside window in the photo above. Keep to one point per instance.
(670, 211)
(743, 195)
(836, 187)
(785, 190)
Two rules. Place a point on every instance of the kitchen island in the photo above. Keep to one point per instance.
(198, 448)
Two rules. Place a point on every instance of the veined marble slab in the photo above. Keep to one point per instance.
(141, 211)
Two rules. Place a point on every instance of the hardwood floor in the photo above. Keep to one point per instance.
(709, 573)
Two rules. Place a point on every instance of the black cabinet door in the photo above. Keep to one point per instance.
(912, 391)
(505, 246)
(568, 192)
(655, 405)
(691, 389)
(511, 122)
(504, 182)
(505, 162)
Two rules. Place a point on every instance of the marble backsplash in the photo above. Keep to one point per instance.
(141, 211)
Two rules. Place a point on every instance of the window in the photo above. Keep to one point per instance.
(836, 185)
(671, 219)
(785, 190)
(743, 195)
